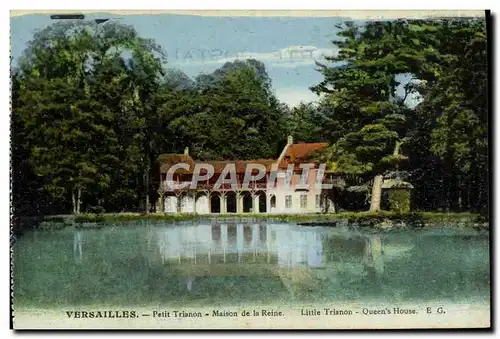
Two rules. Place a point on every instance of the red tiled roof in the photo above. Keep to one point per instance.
(303, 150)
(168, 160)
(297, 153)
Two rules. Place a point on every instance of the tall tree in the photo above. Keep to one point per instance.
(237, 116)
(65, 75)
(306, 122)
(379, 117)
(454, 112)
(362, 89)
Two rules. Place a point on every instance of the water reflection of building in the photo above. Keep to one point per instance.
(256, 249)
(242, 243)
(302, 258)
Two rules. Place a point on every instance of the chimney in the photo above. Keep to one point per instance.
(186, 151)
(290, 140)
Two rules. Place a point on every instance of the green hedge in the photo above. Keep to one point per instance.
(399, 200)
(370, 219)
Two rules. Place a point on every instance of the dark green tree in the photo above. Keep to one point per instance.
(75, 81)
(362, 90)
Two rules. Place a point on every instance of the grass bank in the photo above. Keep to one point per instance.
(381, 219)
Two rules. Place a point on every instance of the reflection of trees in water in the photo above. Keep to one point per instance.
(77, 245)
(407, 267)
(342, 248)
(125, 265)
(356, 264)
(374, 257)
(392, 266)
(364, 251)
(450, 267)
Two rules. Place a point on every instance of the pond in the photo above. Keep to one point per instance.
(240, 264)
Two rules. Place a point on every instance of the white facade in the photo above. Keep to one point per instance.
(187, 204)
(290, 201)
(170, 204)
(202, 206)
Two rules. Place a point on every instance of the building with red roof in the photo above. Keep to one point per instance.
(279, 185)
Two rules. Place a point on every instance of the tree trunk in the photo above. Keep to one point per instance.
(78, 200)
(332, 208)
(459, 196)
(376, 193)
(73, 199)
(467, 195)
(146, 189)
(397, 147)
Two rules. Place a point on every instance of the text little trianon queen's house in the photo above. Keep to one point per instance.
(290, 184)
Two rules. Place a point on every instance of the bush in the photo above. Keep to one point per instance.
(399, 200)
(97, 209)
(83, 218)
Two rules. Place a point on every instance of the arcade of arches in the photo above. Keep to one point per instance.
(216, 202)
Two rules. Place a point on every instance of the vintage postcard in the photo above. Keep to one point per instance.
(250, 170)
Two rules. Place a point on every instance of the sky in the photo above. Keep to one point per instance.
(288, 46)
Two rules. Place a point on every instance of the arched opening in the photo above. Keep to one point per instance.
(170, 204)
(231, 202)
(215, 203)
(247, 202)
(324, 203)
(216, 233)
(202, 203)
(186, 203)
(261, 198)
(272, 202)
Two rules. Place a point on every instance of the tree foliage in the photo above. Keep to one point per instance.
(433, 125)
(94, 105)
